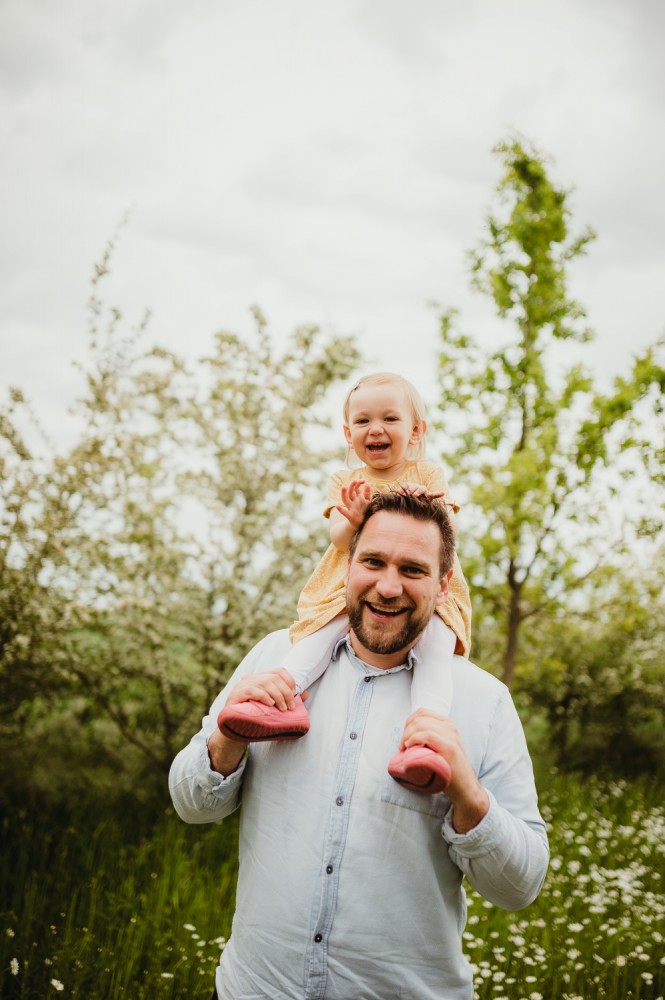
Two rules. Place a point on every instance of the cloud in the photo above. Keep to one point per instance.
(330, 161)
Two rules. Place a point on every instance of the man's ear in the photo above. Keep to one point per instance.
(346, 574)
(444, 587)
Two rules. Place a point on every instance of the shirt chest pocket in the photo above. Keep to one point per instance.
(392, 792)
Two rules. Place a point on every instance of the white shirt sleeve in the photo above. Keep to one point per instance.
(199, 794)
(505, 857)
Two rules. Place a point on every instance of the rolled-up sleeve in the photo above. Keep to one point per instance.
(199, 794)
(505, 857)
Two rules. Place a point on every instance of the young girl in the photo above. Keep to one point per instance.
(384, 425)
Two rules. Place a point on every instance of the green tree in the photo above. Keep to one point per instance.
(139, 566)
(255, 429)
(597, 677)
(529, 439)
(32, 516)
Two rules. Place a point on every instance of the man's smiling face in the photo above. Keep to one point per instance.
(393, 586)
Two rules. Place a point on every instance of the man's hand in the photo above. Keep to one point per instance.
(469, 798)
(274, 687)
(355, 501)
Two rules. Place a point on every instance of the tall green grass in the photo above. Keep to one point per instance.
(125, 906)
(115, 906)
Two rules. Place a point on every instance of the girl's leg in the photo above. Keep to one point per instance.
(432, 681)
(308, 659)
(420, 768)
(305, 661)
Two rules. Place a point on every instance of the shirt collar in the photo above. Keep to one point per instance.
(345, 642)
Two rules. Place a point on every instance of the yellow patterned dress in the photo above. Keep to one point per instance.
(324, 595)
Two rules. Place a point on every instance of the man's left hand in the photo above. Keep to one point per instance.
(469, 798)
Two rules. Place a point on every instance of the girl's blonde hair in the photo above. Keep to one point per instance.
(416, 451)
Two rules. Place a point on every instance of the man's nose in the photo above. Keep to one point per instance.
(389, 583)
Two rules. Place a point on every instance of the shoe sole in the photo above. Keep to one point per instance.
(241, 722)
(421, 787)
(260, 736)
(419, 776)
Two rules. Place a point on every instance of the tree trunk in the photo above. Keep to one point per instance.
(512, 630)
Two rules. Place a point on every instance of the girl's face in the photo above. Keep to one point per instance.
(381, 427)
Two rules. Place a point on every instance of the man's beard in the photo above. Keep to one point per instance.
(378, 637)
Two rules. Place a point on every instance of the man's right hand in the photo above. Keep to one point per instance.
(273, 687)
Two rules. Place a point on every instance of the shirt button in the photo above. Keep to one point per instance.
(367, 680)
(329, 869)
(353, 736)
(339, 800)
(318, 938)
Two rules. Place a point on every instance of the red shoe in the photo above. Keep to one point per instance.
(254, 721)
(420, 769)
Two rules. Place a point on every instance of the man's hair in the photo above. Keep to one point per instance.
(420, 508)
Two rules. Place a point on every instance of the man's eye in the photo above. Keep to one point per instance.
(372, 563)
(413, 570)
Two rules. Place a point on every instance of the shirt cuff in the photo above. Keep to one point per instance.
(213, 781)
(484, 837)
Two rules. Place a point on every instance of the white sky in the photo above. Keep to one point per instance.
(328, 161)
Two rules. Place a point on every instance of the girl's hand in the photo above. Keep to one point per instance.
(416, 490)
(355, 501)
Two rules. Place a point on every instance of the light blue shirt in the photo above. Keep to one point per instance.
(350, 886)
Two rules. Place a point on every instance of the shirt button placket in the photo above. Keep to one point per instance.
(336, 836)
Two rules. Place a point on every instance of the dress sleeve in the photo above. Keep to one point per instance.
(434, 478)
(335, 490)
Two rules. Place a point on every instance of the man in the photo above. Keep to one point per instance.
(350, 885)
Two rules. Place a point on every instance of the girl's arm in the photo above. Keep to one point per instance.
(346, 516)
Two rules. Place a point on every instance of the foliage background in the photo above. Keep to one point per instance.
(139, 564)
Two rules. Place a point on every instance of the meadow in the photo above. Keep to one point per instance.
(137, 905)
